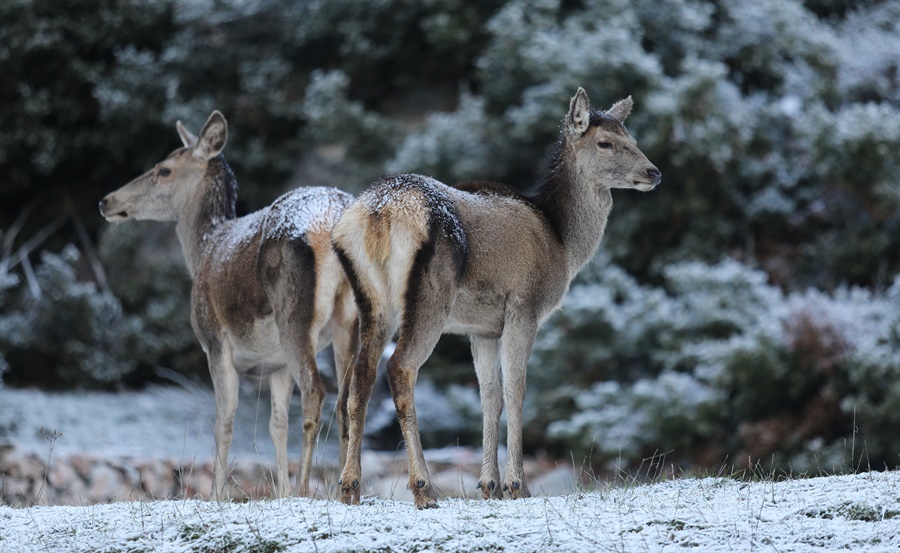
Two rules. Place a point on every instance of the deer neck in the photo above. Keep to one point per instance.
(202, 214)
(578, 209)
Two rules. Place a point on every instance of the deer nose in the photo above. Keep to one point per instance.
(103, 203)
(654, 175)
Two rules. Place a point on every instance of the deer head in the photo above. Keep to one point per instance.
(162, 193)
(605, 154)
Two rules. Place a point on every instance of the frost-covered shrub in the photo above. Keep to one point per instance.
(871, 35)
(767, 42)
(721, 300)
(608, 328)
(333, 118)
(869, 326)
(72, 335)
(721, 364)
(453, 146)
(671, 413)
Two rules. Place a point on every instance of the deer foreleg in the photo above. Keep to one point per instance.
(486, 354)
(515, 347)
(225, 387)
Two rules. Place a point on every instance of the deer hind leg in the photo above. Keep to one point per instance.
(312, 396)
(374, 333)
(292, 284)
(515, 348)
(486, 354)
(431, 289)
(280, 387)
(402, 369)
(225, 387)
(346, 345)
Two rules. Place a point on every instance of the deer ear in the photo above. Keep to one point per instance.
(212, 137)
(620, 110)
(188, 138)
(578, 119)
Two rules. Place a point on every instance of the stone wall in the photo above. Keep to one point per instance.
(51, 478)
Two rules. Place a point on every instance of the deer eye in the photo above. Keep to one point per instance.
(164, 172)
(604, 145)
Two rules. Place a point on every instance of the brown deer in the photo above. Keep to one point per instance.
(479, 259)
(268, 291)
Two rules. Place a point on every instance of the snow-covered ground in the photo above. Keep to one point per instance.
(856, 512)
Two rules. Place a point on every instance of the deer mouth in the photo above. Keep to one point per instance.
(117, 217)
(112, 217)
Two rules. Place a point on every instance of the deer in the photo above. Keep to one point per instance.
(267, 293)
(482, 260)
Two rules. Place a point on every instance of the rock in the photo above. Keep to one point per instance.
(157, 479)
(195, 481)
(105, 483)
(25, 465)
(83, 464)
(62, 475)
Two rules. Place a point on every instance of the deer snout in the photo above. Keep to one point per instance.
(108, 210)
(647, 179)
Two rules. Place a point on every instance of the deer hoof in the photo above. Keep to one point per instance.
(490, 490)
(350, 496)
(517, 490)
(425, 498)
(349, 493)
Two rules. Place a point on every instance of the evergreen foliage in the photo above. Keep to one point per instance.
(71, 335)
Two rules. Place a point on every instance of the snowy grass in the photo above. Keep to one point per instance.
(851, 512)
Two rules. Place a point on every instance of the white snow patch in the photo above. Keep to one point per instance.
(854, 512)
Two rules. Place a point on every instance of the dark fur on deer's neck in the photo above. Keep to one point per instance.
(216, 202)
(576, 206)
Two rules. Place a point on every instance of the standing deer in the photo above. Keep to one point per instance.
(268, 291)
(479, 259)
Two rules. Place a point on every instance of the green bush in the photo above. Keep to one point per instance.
(72, 335)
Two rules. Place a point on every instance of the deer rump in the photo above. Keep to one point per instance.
(410, 243)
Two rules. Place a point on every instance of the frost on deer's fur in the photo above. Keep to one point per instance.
(294, 214)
